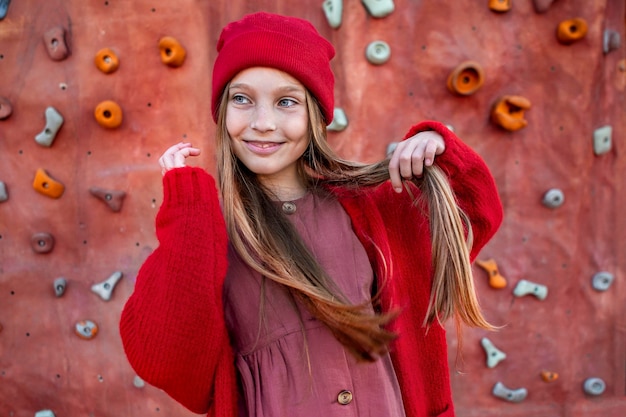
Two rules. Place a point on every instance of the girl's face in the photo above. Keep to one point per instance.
(267, 120)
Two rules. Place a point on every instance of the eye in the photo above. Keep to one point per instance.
(287, 102)
(240, 99)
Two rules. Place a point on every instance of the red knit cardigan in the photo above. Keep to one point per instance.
(173, 327)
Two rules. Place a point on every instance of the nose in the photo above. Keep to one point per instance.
(263, 119)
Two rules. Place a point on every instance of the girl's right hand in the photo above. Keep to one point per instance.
(174, 157)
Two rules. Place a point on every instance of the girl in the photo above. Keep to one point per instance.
(315, 286)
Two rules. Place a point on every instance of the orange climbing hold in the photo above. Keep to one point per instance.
(571, 30)
(466, 78)
(107, 61)
(172, 52)
(495, 279)
(500, 5)
(108, 114)
(549, 376)
(44, 184)
(508, 112)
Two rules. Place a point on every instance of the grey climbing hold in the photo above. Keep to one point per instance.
(378, 52)
(379, 8)
(511, 395)
(4, 194)
(494, 355)
(524, 287)
(602, 140)
(601, 281)
(611, 40)
(44, 413)
(594, 386)
(333, 10)
(340, 121)
(60, 284)
(4, 8)
(138, 382)
(553, 198)
(54, 120)
(105, 288)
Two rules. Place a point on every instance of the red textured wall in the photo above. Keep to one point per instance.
(576, 332)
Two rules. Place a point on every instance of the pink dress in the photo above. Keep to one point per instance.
(289, 364)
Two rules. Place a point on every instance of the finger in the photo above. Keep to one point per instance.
(430, 152)
(394, 168)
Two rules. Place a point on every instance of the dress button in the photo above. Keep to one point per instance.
(344, 397)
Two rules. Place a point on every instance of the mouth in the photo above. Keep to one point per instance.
(262, 147)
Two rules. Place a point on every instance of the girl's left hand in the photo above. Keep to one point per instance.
(412, 155)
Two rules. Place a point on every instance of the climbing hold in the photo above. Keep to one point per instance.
(42, 242)
(44, 184)
(508, 112)
(611, 40)
(54, 39)
(602, 140)
(86, 329)
(138, 382)
(524, 287)
(107, 61)
(466, 78)
(44, 413)
(553, 198)
(105, 288)
(542, 6)
(571, 30)
(4, 194)
(54, 120)
(333, 10)
(5, 107)
(548, 376)
(340, 121)
(60, 284)
(112, 198)
(500, 5)
(378, 52)
(4, 8)
(494, 355)
(172, 52)
(594, 386)
(601, 281)
(495, 279)
(514, 396)
(108, 114)
(378, 8)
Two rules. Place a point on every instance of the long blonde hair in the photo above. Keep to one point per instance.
(265, 239)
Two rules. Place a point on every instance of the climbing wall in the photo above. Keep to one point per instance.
(92, 92)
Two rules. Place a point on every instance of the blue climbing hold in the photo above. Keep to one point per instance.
(4, 8)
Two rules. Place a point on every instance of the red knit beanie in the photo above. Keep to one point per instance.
(289, 44)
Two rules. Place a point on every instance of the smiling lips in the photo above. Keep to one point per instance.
(263, 147)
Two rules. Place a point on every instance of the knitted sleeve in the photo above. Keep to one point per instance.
(472, 182)
(172, 326)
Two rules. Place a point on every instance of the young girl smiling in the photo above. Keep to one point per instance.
(313, 286)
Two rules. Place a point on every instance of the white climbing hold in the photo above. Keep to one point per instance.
(333, 10)
(602, 140)
(340, 121)
(4, 195)
(378, 52)
(511, 395)
(524, 287)
(138, 382)
(105, 288)
(54, 120)
(494, 355)
(44, 413)
(594, 386)
(379, 8)
(601, 281)
(553, 198)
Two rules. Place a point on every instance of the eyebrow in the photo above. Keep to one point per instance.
(282, 89)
